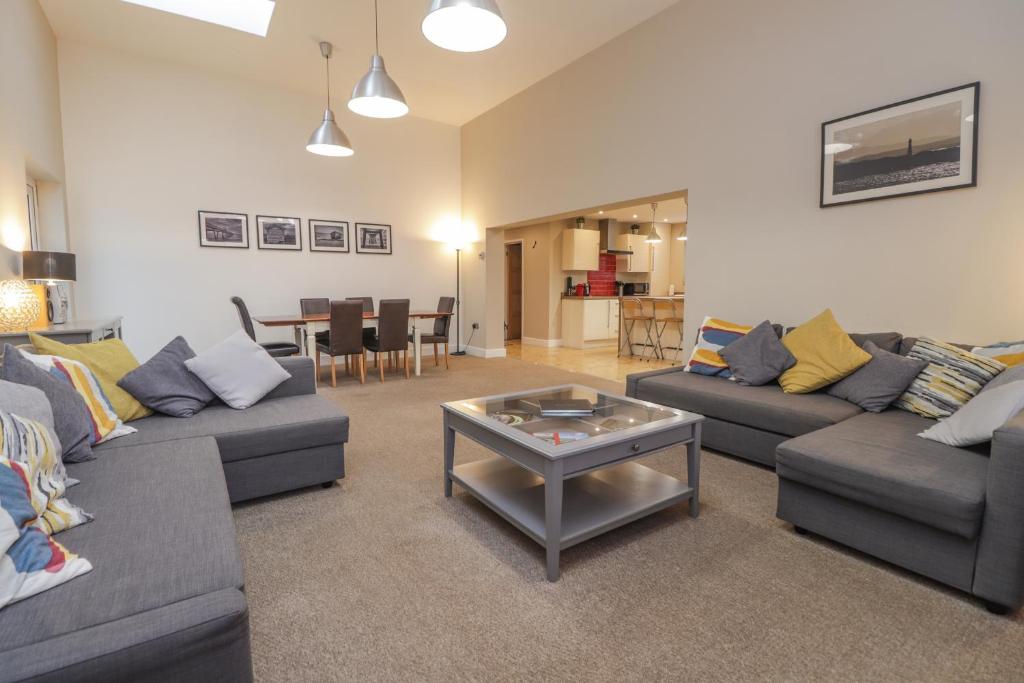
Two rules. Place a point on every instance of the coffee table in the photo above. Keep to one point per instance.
(562, 490)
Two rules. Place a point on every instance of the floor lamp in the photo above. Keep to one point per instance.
(458, 303)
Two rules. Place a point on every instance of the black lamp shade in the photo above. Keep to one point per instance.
(47, 265)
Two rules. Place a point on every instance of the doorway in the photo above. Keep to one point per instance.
(513, 291)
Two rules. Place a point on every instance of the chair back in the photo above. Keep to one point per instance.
(393, 325)
(244, 317)
(346, 327)
(635, 307)
(446, 304)
(367, 302)
(314, 306)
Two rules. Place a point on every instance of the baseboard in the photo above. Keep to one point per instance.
(485, 353)
(546, 343)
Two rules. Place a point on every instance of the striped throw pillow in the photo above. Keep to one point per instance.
(106, 425)
(1007, 353)
(714, 335)
(953, 377)
(30, 561)
(31, 444)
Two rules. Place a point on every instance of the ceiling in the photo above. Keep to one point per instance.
(544, 36)
(669, 211)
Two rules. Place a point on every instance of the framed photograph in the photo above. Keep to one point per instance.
(328, 235)
(926, 144)
(373, 238)
(278, 232)
(220, 229)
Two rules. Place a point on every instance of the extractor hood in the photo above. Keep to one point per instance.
(609, 228)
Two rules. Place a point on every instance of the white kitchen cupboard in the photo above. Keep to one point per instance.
(580, 249)
(589, 322)
(640, 260)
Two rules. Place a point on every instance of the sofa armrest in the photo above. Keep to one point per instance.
(999, 572)
(302, 381)
(633, 380)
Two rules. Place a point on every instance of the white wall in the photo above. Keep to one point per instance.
(148, 144)
(733, 112)
(30, 133)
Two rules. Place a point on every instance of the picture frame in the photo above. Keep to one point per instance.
(330, 236)
(279, 233)
(223, 229)
(924, 144)
(373, 238)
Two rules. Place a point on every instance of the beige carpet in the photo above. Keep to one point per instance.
(382, 578)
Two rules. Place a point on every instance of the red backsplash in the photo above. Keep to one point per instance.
(602, 282)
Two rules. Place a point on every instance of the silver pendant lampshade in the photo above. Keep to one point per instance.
(376, 95)
(329, 140)
(464, 25)
(653, 237)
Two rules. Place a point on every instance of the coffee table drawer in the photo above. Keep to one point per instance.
(612, 454)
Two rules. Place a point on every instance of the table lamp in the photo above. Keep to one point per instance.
(19, 306)
(54, 268)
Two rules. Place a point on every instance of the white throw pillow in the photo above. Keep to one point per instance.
(238, 370)
(980, 417)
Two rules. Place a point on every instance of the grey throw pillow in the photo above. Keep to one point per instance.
(29, 403)
(238, 370)
(72, 421)
(880, 382)
(758, 357)
(980, 417)
(164, 384)
(1014, 373)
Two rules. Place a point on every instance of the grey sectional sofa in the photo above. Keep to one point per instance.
(165, 600)
(868, 481)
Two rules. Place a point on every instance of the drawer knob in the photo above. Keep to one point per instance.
(635, 447)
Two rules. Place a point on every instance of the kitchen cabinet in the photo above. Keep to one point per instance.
(637, 262)
(589, 322)
(580, 249)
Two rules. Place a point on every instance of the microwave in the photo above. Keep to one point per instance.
(636, 289)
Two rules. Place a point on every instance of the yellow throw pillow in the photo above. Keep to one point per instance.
(109, 360)
(824, 354)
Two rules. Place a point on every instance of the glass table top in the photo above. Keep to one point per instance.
(519, 416)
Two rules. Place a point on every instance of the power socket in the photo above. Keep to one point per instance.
(476, 326)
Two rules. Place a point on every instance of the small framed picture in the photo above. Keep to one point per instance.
(926, 144)
(328, 235)
(278, 232)
(373, 238)
(220, 229)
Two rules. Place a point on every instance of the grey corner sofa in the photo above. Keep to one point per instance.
(165, 600)
(866, 480)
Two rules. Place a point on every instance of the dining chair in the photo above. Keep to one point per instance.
(318, 306)
(368, 332)
(345, 338)
(392, 335)
(446, 304)
(275, 349)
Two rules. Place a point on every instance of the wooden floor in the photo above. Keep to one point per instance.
(602, 362)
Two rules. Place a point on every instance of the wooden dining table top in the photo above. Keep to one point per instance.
(292, 319)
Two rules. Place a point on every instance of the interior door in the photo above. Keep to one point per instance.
(513, 291)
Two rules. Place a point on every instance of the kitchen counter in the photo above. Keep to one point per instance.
(644, 297)
(584, 298)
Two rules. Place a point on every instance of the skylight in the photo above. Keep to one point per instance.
(251, 16)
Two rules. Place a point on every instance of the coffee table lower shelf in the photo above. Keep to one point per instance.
(592, 503)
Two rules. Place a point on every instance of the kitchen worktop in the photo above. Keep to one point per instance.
(581, 298)
(645, 297)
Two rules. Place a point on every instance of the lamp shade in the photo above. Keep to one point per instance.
(19, 305)
(48, 265)
(464, 25)
(329, 140)
(377, 95)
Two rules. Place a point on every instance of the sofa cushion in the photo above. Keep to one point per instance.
(163, 533)
(876, 385)
(270, 426)
(165, 385)
(238, 370)
(765, 407)
(878, 460)
(824, 354)
(758, 357)
(887, 341)
(953, 376)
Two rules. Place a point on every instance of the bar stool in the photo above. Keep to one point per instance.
(674, 320)
(635, 311)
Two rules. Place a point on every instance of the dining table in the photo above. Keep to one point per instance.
(316, 322)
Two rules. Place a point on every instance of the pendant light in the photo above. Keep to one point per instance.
(464, 25)
(376, 95)
(653, 237)
(327, 139)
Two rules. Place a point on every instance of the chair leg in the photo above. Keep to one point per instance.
(380, 369)
(317, 363)
(435, 355)
(347, 371)
(446, 355)
(406, 354)
(362, 368)
(334, 373)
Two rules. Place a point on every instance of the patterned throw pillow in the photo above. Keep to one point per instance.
(953, 377)
(1007, 353)
(714, 335)
(106, 425)
(30, 561)
(31, 444)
